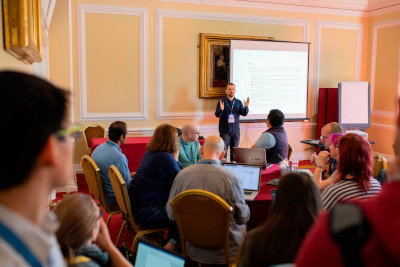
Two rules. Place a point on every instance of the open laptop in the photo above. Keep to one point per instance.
(251, 156)
(249, 175)
(149, 255)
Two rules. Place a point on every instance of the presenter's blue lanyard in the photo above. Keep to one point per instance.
(15, 242)
(208, 162)
(233, 105)
(184, 149)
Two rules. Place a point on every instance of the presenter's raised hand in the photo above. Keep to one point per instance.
(221, 105)
(246, 103)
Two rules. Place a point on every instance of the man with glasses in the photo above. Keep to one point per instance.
(189, 146)
(34, 114)
(326, 131)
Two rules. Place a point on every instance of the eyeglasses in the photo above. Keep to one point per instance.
(74, 131)
(324, 137)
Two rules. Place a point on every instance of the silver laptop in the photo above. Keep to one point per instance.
(150, 255)
(251, 156)
(249, 175)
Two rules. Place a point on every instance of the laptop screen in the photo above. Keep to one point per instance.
(249, 175)
(149, 255)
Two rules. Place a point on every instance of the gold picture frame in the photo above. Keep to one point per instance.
(22, 29)
(214, 62)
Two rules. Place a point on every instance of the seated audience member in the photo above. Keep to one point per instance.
(81, 224)
(382, 217)
(381, 214)
(274, 140)
(149, 190)
(109, 153)
(323, 158)
(209, 175)
(297, 204)
(39, 160)
(189, 146)
(326, 131)
(381, 248)
(354, 172)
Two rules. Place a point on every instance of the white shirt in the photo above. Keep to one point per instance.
(40, 241)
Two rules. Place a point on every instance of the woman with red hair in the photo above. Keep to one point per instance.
(354, 172)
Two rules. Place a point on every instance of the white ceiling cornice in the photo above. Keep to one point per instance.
(360, 8)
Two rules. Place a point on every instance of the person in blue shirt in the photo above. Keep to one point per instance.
(228, 110)
(149, 189)
(189, 146)
(109, 153)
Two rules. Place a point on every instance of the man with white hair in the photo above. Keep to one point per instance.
(189, 146)
(209, 175)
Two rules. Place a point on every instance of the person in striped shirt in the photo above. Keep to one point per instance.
(355, 173)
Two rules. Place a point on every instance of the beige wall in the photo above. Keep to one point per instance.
(132, 56)
(384, 66)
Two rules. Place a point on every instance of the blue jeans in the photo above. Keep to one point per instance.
(157, 217)
(232, 140)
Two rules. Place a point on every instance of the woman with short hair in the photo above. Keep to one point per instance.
(296, 205)
(355, 181)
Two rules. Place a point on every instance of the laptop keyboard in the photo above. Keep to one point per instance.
(248, 193)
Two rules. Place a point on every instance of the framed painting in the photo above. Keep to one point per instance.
(22, 29)
(214, 62)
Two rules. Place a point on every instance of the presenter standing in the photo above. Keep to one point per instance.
(228, 110)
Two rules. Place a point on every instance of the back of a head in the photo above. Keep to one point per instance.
(116, 129)
(78, 215)
(335, 138)
(165, 139)
(213, 144)
(355, 158)
(334, 127)
(297, 193)
(276, 117)
(296, 206)
(32, 109)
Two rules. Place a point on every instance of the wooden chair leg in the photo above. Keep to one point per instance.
(110, 215)
(135, 242)
(120, 232)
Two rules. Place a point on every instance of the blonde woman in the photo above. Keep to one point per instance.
(81, 224)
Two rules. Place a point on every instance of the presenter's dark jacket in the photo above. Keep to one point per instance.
(281, 146)
(238, 109)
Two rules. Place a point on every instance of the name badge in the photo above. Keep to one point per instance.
(231, 118)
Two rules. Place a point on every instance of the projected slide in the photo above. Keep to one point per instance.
(273, 75)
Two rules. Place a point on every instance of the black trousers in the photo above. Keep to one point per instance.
(231, 140)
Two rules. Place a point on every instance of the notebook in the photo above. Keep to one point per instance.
(251, 156)
(149, 255)
(249, 175)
